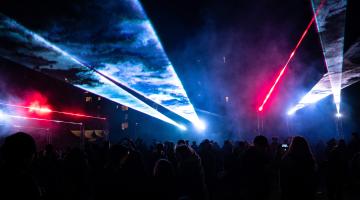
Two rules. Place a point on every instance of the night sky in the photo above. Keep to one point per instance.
(235, 49)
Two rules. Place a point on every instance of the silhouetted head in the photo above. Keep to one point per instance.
(274, 139)
(355, 136)
(49, 148)
(118, 154)
(205, 145)
(19, 149)
(342, 144)
(163, 169)
(160, 147)
(183, 152)
(180, 142)
(299, 147)
(228, 146)
(241, 144)
(331, 143)
(261, 142)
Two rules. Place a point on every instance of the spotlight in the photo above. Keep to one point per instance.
(2, 116)
(291, 112)
(200, 125)
(182, 127)
(338, 115)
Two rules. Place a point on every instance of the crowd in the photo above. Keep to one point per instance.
(260, 170)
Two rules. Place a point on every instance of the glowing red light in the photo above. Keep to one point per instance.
(35, 107)
(43, 110)
(290, 58)
(78, 115)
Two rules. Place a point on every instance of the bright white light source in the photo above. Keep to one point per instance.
(182, 127)
(338, 115)
(2, 116)
(291, 112)
(200, 125)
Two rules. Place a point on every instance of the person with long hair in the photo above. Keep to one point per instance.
(297, 171)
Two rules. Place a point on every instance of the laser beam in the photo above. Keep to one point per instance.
(40, 119)
(322, 89)
(331, 27)
(281, 73)
(47, 110)
(33, 46)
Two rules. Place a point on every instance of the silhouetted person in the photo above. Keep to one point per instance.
(228, 155)
(208, 160)
(76, 175)
(112, 183)
(170, 153)
(354, 144)
(48, 173)
(190, 174)
(181, 142)
(195, 146)
(355, 169)
(256, 170)
(16, 181)
(337, 171)
(297, 172)
(163, 184)
(330, 145)
(320, 151)
(274, 146)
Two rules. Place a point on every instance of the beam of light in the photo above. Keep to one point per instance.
(338, 115)
(331, 28)
(31, 127)
(280, 74)
(123, 46)
(174, 97)
(47, 110)
(37, 53)
(350, 73)
(322, 89)
(40, 119)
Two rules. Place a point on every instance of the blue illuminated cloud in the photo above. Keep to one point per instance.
(33, 51)
(118, 40)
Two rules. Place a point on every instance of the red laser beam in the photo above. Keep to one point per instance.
(290, 57)
(40, 119)
(47, 110)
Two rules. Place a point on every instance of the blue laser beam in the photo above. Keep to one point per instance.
(331, 26)
(121, 43)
